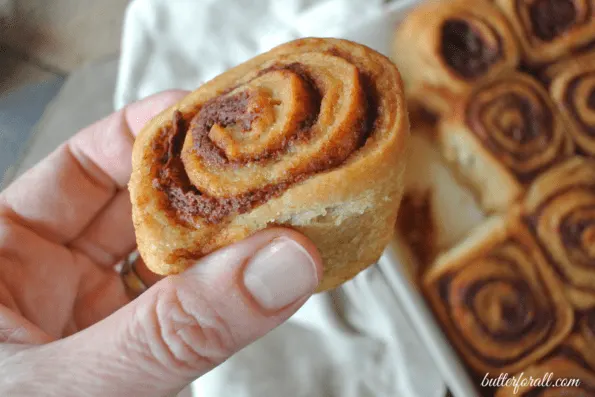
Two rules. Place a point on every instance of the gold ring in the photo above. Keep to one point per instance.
(130, 277)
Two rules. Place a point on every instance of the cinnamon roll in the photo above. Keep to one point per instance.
(571, 362)
(310, 135)
(573, 90)
(586, 328)
(560, 211)
(498, 301)
(550, 72)
(443, 48)
(549, 29)
(502, 135)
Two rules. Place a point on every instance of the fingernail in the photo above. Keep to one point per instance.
(280, 273)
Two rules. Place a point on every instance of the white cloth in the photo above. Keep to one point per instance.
(354, 341)
(182, 43)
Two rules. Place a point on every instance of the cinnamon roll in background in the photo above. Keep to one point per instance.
(444, 48)
(502, 135)
(560, 211)
(573, 89)
(497, 299)
(510, 87)
(550, 72)
(311, 135)
(573, 360)
(550, 29)
(586, 328)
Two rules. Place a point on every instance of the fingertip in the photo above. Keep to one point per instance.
(234, 257)
(281, 274)
(243, 249)
(303, 241)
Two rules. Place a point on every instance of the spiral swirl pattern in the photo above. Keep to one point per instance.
(571, 360)
(516, 121)
(310, 135)
(573, 89)
(291, 118)
(470, 45)
(560, 210)
(548, 19)
(549, 29)
(501, 312)
(443, 49)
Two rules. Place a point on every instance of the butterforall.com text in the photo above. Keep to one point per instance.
(520, 380)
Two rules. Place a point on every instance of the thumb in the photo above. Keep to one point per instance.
(187, 324)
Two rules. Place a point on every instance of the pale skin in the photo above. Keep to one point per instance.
(67, 325)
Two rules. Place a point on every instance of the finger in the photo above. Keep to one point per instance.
(32, 283)
(18, 330)
(185, 325)
(110, 236)
(60, 196)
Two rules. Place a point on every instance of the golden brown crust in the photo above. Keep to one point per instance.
(497, 299)
(560, 209)
(573, 89)
(548, 30)
(310, 135)
(502, 135)
(443, 48)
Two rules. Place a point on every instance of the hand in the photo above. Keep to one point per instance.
(67, 326)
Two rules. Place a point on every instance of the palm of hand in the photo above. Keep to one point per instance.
(64, 225)
(53, 290)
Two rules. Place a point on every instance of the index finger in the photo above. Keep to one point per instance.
(60, 196)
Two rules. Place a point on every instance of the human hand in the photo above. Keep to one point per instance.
(67, 326)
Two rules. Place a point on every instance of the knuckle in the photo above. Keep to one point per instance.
(191, 333)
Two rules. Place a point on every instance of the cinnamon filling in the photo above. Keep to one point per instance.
(516, 128)
(465, 51)
(576, 231)
(591, 100)
(571, 354)
(224, 111)
(588, 322)
(235, 110)
(416, 225)
(514, 311)
(189, 203)
(505, 308)
(571, 98)
(552, 18)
